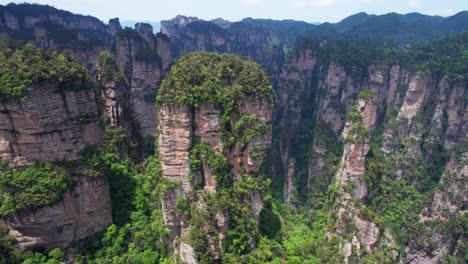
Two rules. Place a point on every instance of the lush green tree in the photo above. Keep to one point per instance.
(23, 68)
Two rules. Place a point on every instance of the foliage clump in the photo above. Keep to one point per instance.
(208, 77)
(21, 68)
(108, 68)
(39, 185)
(366, 94)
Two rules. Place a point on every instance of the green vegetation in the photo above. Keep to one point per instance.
(353, 114)
(8, 252)
(222, 80)
(128, 33)
(247, 127)
(148, 55)
(107, 66)
(233, 195)
(444, 57)
(366, 95)
(39, 185)
(22, 68)
(358, 133)
(398, 202)
(135, 236)
(207, 77)
(204, 153)
(400, 184)
(350, 53)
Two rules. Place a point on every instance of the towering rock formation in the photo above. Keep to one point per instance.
(213, 132)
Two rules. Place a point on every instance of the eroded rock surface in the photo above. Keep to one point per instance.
(53, 124)
(83, 210)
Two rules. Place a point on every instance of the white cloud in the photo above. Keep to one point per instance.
(365, 1)
(414, 3)
(314, 3)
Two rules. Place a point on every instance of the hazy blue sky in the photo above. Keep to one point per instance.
(307, 10)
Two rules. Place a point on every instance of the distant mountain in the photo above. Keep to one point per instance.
(392, 27)
(457, 22)
(407, 28)
(131, 24)
(353, 21)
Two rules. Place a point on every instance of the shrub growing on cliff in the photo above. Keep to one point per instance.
(38, 185)
(366, 94)
(19, 69)
(108, 68)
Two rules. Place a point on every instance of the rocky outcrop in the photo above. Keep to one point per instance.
(55, 123)
(448, 206)
(357, 137)
(83, 210)
(144, 58)
(175, 142)
(262, 40)
(146, 78)
(176, 135)
(289, 183)
(421, 114)
(248, 157)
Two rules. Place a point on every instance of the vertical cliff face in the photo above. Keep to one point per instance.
(265, 41)
(207, 151)
(144, 58)
(84, 36)
(447, 209)
(174, 142)
(56, 122)
(115, 93)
